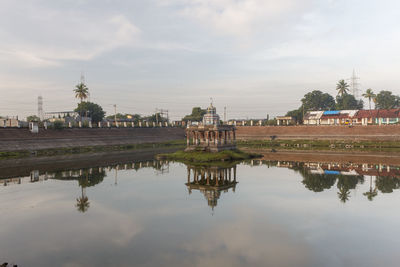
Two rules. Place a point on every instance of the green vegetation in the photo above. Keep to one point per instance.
(369, 94)
(92, 110)
(347, 101)
(207, 157)
(342, 87)
(197, 114)
(386, 100)
(336, 145)
(58, 125)
(81, 91)
(90, 149)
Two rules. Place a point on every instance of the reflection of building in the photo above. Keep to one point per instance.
(211, 181)
(210, 135)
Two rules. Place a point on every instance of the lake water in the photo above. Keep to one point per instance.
(152, 213)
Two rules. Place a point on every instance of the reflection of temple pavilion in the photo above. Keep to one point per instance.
(210, 135)
(211, 181)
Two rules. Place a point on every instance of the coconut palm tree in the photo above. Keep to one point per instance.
(372, 192)
(370, 95)
(81, 91)
(82, 202)
(342, 88)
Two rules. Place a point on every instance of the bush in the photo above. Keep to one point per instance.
(58, 125)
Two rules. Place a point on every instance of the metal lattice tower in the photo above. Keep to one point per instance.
(40, 108)
(355, 85)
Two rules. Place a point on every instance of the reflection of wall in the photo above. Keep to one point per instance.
(94, 175)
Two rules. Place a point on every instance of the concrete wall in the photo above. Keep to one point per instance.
(22, 139)
(373, 132)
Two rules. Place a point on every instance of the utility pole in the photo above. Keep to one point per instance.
(224, 114)
(115, 114)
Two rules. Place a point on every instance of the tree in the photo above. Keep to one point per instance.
(297, 114)
(348, 102)
(197, 114)
(94, 111)
(317, 100)
(369, 94)
(32, 118)
(386, 100)
(81, 91)
(342, 87)
(372, 192)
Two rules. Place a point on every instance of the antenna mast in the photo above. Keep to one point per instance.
(355, 84)
(40, 108)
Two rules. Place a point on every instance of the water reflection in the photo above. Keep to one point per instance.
(211, 181)
(318, 176)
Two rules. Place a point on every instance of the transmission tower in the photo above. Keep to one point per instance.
(355, 84)
(40, 108)
(163, 113)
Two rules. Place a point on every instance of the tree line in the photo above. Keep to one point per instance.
(318, 100)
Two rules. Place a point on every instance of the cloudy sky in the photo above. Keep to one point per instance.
(255, 57)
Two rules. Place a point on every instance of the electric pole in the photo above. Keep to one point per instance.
(115, 115)
(225, 115)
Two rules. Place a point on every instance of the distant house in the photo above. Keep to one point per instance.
(285, 120)
(338, 117)
(378, 116)
(352, 117)
(9, 122)
(313, 118)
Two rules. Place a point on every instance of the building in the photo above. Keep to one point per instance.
(210, 135)
(285, 120)
(9, 122)
(338, 117)
(312, 117)
(353, 117)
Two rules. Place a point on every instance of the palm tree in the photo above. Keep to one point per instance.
(82, 203)
(81, 91)
(342, 88)
(343, 194)
(372, 192)
(370, 95)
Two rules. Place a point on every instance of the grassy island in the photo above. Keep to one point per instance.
(208, 157)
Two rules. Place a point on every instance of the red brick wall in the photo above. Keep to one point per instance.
(375, 132)
(12, 139)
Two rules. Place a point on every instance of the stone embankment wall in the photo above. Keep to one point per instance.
(361, 133)
(13, 139)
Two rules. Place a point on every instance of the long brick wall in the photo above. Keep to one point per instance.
(374, 132)
(12, 139)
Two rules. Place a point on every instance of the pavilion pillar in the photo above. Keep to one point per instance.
(230, 174)
(207, 137)
(234, 174)
(188, 138)
(208, 177)
(216, 179)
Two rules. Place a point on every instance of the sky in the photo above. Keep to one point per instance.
(254, 57)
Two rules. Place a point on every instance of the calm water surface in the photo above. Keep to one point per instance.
(260, 213)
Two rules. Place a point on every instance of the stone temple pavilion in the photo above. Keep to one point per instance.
(210, 135)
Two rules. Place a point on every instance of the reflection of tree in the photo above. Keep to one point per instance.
(372, 192)
(387, 184)
(345, 183)
(317, 182)
(82, 203)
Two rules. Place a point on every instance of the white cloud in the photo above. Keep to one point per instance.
(241, 17)
(41, 36)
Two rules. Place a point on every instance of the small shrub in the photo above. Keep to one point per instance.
(58, 125)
